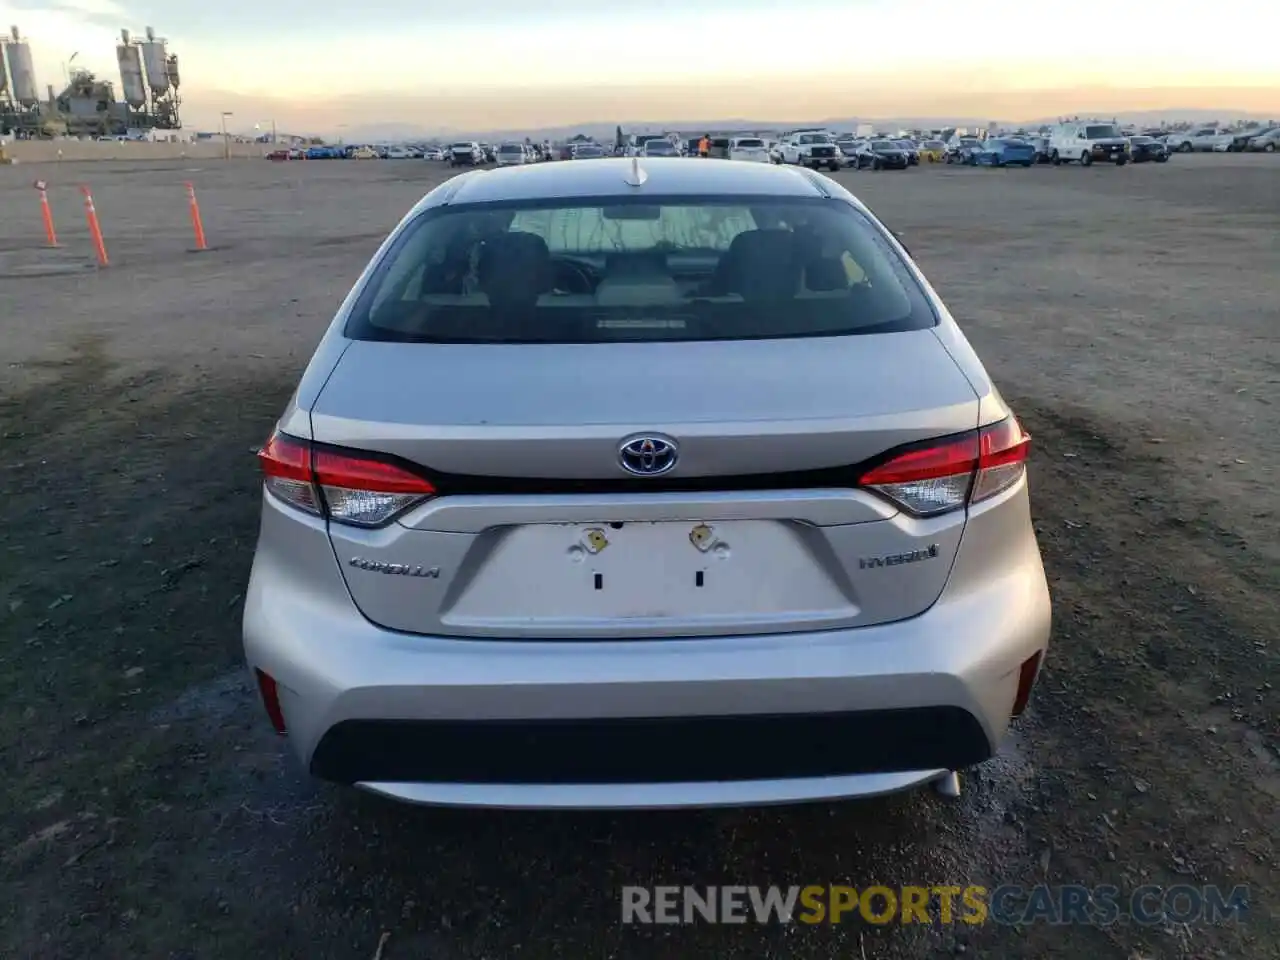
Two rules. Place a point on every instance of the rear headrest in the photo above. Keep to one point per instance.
(515, 268)
(825, 274)
(762, 243)
(762, 264)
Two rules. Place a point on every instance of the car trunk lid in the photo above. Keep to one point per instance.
(539, 532)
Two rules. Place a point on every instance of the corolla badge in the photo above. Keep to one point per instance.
(395, 569)
(648, 454)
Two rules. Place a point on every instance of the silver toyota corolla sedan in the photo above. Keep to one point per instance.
(644, 483)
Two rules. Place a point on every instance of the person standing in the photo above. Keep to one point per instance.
(704, 146)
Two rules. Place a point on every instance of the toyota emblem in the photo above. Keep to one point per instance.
(647, 455)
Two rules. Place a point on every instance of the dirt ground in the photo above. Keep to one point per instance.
(1129, 315)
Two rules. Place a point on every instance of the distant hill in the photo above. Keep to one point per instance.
(408, 117)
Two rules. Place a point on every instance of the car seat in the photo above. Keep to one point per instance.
(759, 265)
(515, 269)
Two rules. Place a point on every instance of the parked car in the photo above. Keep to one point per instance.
(1143, 149)
(850, 152)
(660, 147)
(1004, 152)
(933, 151)
(963, 150)
(400, 153)
(364, 153)
(750, 149)
(1201, 140)
(1266, 141)
(911, 150)
(1040, 144)
(471, 588)
(589, 151)
(886, 155)
(511, 154)
(466, 153)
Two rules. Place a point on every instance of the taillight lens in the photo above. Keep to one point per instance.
(933, 478)
(286, 471)
(344, 485)
(1002, 460)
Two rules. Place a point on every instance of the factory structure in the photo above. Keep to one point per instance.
(87, 106)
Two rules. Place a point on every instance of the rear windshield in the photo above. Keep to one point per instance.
(660, 146)
(748, 144)
(461, 146)
(511, 148)
(619, 269)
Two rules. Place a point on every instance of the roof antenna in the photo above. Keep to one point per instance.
(636, 177)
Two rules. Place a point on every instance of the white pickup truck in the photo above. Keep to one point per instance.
(809, 148)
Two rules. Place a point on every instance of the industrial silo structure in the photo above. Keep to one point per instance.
(21, 71)
(133, 85)
(155, 63)
(149, 74)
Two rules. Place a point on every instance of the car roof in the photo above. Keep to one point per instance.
(609, 177)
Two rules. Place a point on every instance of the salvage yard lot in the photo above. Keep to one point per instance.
(1130, 316)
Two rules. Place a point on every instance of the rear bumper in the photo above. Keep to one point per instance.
(650, 723)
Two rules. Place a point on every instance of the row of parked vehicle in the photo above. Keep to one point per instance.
(467, 152)
(1078, 141)
(1093, 141)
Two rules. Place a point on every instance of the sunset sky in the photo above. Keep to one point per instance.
(319, 64)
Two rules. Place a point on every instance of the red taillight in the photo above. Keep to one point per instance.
(347, 486)
(286, 471)
(1026, 682)
(350, 471)
(271, 700)
(1005, 446)
(933, 478)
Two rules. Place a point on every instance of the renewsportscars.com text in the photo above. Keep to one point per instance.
(1006, 905)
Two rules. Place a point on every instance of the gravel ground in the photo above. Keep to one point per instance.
(1130, 317)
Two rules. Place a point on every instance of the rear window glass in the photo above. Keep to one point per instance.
(511, 148)
(749, 144)
(619, 269)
